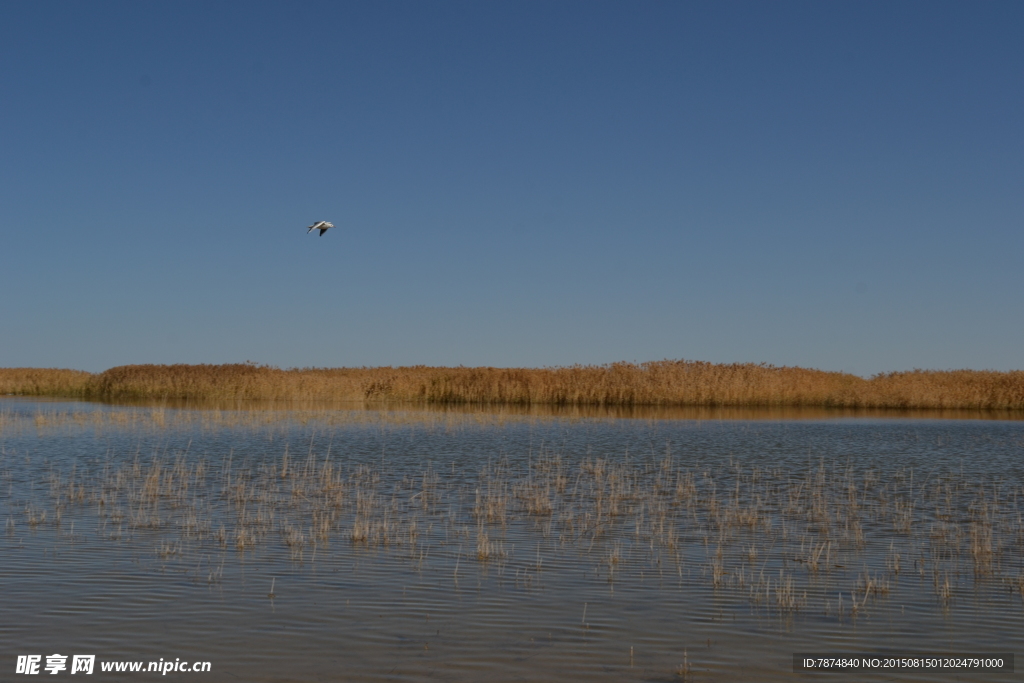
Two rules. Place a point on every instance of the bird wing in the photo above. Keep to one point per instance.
(322, 231)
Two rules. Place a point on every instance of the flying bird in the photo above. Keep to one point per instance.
(322, 226)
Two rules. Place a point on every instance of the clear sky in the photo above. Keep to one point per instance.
(825, 184)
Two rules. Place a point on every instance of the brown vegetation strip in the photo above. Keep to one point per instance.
(618, 384)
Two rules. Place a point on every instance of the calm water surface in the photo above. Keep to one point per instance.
(371, 545)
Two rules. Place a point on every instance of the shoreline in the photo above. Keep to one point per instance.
(660, 384)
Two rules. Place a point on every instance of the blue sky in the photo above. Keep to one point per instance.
(515, 184)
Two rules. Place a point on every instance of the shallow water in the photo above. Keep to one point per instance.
(463, 546)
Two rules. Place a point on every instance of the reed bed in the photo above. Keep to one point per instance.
(831, 538)
(44, 382)
(661, 383)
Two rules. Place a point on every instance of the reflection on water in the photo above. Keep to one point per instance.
(425, 544)
(287, 409)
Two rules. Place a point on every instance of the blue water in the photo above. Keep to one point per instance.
(672, 549)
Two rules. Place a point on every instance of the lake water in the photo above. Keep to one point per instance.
(382, 545)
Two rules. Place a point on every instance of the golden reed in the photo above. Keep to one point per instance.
(43, 382)
(661, 383)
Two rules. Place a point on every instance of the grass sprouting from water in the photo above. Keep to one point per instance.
(829, 538)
